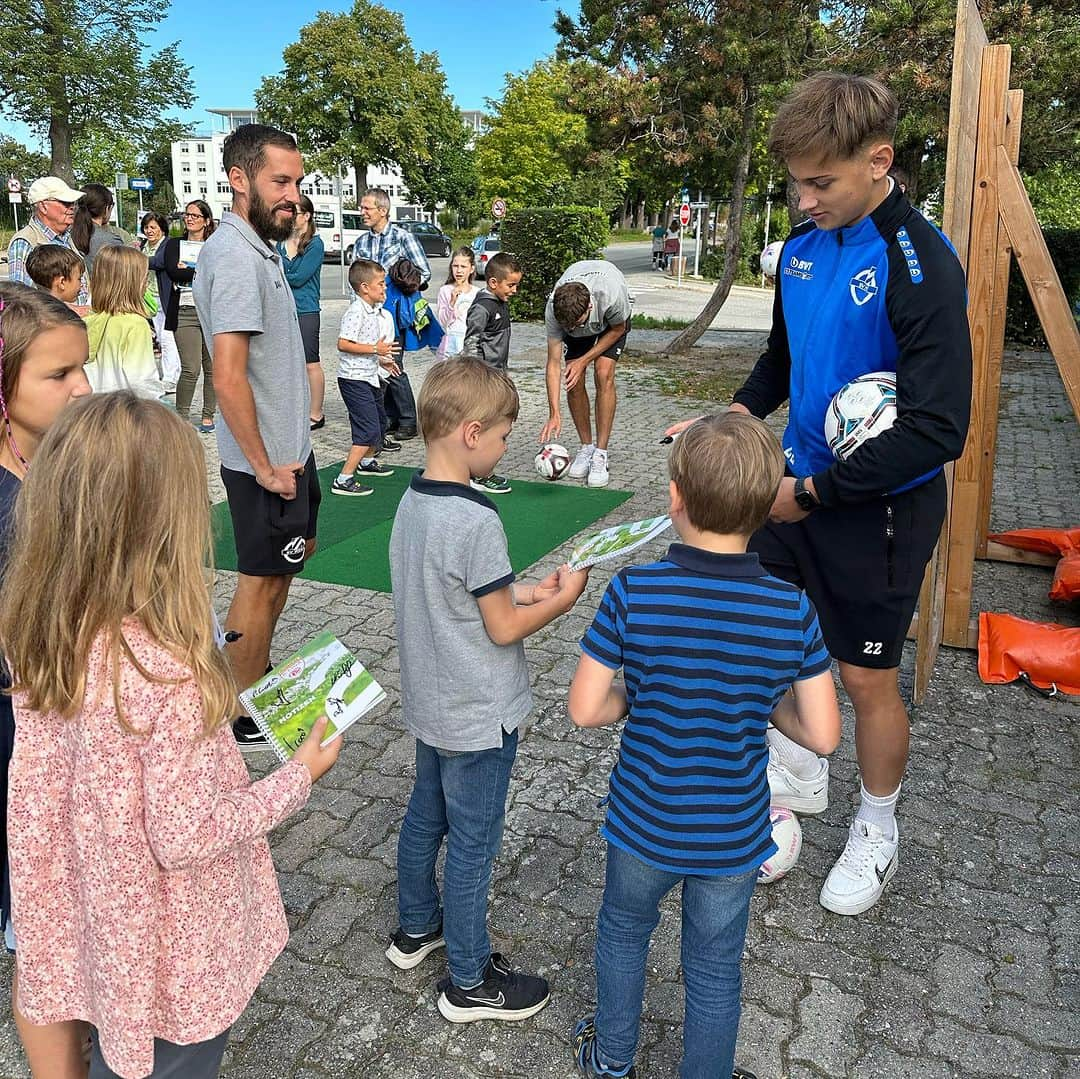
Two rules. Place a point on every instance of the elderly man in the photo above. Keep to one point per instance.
(386, 244)
(52, 205)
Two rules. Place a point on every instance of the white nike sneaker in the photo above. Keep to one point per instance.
(804, 796)
(859, 877)
(579, 469)
(598, 473)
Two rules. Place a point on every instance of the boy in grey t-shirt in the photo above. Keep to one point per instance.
(461, 621)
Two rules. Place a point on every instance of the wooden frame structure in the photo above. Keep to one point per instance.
(988, 218)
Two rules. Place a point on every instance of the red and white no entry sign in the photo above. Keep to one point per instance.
(13, 185)
(684, 214)
(498, 208)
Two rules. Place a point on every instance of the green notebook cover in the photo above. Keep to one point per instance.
(322, 678)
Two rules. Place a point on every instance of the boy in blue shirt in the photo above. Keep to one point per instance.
(709, 644)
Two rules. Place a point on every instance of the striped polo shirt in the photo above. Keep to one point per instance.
(708, 643)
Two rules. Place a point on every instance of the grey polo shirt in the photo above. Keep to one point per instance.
(607, 291)
(459, 690)
(240, 287)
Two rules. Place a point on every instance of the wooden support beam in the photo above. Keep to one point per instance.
(971, 637)
(982, 262)
(998, 552)
(996, 344)
(1044, 285)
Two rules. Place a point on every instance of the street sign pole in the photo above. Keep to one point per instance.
(15, 211)
(339, 183)
(682, 260)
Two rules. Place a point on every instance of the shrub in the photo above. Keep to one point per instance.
(1021, 321)
(547, 240)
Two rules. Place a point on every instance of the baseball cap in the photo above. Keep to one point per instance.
(51, 187)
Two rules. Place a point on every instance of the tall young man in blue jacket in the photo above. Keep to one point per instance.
(866, 284)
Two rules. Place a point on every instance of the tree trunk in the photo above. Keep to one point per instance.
(360, 168)
(732, 240)
(60, 144)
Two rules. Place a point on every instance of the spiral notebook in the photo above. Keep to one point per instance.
(322, 678)
(616, 541)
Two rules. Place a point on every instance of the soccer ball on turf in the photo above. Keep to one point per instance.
(787, 835)
(770, 258)
(552, 460)
(862, 409)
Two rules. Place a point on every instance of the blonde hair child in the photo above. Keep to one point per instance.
(121, 342)
(42, 352)
(143, 892)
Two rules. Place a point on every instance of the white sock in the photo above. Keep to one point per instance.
(367, 461)
(803, 762)
(590, 448)
(880, 811)
(600, 453)
(344, 476)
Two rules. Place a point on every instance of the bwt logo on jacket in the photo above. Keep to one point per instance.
(799, 268)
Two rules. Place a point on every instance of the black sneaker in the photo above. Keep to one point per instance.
(248, 736)
(742, 1073)
(491, 485)
(405, 433)
(350, 485)
(504, 994)
(588, 1059)
(373, 468)
(390, 446)
(406, 952)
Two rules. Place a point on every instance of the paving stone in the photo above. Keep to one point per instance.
(967, 968)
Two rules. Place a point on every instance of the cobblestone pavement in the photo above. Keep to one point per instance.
(967, 968)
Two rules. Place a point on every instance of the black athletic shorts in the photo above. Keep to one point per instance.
(578, 346)
(862, 566)
(270, 530)
(367, 412)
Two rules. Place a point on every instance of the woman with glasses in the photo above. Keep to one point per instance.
(180, 315)
(155, 232)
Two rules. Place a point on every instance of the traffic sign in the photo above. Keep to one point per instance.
(498, 208)
(14, 196)
(13, 185)
(684, 214)
(140, 183)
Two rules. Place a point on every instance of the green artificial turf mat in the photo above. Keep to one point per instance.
(354, 533)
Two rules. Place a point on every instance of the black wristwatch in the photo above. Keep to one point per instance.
(804, 497)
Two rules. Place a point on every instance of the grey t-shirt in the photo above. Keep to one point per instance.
(609, 295)
(459, 690)
(240, 287)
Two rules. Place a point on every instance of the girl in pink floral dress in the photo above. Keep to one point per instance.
(143, 895)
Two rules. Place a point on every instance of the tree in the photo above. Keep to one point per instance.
(701, 77)
(354, 92)
(534, 141)
(67, 64)
(443, 168)
(22, 163)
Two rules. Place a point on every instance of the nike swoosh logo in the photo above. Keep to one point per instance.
(880, 874)
(496, 1001)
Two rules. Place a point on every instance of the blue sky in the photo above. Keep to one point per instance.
(230, 47)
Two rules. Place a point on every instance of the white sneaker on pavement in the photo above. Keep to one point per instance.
(805, 796)
(598, 473)
(859, 877)
(579, 468)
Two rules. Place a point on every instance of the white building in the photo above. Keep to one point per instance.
(198, 174)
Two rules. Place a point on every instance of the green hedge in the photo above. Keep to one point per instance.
(547, 240)
(1021, 322)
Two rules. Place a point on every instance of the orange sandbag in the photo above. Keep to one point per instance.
(1044, 540)
(1067, 578)
(1048, 654)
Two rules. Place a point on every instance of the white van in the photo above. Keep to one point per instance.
(332, 236)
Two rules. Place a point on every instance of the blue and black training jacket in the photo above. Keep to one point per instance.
(886, 294)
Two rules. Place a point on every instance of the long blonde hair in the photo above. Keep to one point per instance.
(113, 523)
(118, 281)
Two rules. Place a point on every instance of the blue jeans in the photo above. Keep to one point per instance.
(462, 797)
(715, 911)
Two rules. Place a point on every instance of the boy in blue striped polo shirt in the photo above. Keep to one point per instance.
(709, 644)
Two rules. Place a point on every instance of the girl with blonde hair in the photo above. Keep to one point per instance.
(121, 341)
(143, 894)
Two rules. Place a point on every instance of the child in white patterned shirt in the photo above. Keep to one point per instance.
(366, 354)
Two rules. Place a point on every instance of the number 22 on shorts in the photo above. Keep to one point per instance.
(871, 648)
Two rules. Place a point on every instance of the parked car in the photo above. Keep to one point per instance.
(483, 248)
(432, 239)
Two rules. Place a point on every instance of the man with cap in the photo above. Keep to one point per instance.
(52, 212)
